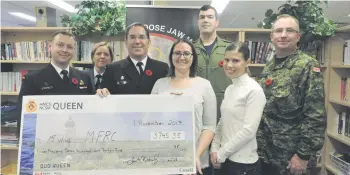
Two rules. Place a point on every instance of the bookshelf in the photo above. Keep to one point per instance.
(17, 34)
(337, 103)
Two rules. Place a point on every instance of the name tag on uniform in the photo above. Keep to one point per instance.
(83, 87)
(46, 86)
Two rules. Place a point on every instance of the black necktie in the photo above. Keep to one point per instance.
(65, 76)
(98, 82)
(139, 64)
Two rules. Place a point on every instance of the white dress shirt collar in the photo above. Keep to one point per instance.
(96, 73)
(59, 69)
(144, 61)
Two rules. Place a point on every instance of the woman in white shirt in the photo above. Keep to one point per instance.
(183, 80)
(234, 147)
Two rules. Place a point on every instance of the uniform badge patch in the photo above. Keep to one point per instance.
(316, 69)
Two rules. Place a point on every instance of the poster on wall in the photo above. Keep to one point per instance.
(166, 25)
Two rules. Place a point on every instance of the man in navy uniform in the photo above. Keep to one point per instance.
(137, 73)
(57, 78)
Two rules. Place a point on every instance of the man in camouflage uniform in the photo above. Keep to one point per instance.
(210, 49)
(294, 121)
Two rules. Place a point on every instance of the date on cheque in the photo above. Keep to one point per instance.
(167, 135)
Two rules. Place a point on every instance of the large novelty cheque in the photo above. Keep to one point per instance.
(138, 134)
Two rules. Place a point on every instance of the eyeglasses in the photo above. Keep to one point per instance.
(141, 37)
(185, 54)
(288, 31)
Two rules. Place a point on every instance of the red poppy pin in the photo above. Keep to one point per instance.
(148, 72)
(221, 63)
(74, 81)
(268, 82)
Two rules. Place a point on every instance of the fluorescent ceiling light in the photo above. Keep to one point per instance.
(24, 16)
(63, 5)
(219, 5)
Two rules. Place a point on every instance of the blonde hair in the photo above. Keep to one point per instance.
(286, 16)
(97, 45)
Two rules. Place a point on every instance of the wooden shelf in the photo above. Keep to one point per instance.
(257, 30)
(341, 66)
(333, 169)
(256, 65)
(32, 29)
(9, 93)
(39, 62)
(10, 169)
(227, 30)
(23, 62)
(339, 137)
(81, 62)
(7, 147)
(339, 102)
(344, 29)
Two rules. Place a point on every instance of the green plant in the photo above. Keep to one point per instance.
(314, 26)
(106, 17)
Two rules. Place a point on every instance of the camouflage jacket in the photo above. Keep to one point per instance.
(294, 118)
(209, 68)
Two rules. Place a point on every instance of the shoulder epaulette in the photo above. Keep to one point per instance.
(227, 41)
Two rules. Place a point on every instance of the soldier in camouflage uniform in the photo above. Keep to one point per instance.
(294, 121)
(211, 49)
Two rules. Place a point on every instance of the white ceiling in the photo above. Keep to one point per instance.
(238, 14)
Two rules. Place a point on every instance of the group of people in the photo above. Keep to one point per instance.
(242, 126)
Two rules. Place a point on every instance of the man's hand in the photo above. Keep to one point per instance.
(213, 159)
(297, 166)
(102, 92)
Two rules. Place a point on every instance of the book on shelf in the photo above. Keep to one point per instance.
(343, 124)
(346, 53)
(345, 89)
(9, 136)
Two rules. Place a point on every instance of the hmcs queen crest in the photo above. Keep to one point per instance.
(31, 106)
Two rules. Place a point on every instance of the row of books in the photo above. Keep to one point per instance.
(9, 137)
(346, 52)
(26, 51)
(345, 89)
(260, 52)
(32, 51)
(11, 81)
(344, 124)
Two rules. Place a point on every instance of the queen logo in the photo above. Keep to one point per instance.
(31, 106)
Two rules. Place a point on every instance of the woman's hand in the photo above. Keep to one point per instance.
(214, 162)
(198, 166)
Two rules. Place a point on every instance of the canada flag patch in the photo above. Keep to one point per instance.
(316, 69)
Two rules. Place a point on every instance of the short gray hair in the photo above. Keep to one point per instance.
(286, 16)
